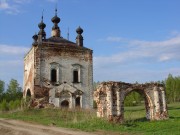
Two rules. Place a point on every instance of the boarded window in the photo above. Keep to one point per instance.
(53, 75)
(76, 77)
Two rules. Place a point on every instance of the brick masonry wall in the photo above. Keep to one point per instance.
(66, 58)
(29, 73)
(110, 97)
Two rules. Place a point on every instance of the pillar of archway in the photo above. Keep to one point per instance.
(157, 111)
(109, 103)
(164, 113)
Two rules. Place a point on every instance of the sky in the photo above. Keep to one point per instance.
(132, 40)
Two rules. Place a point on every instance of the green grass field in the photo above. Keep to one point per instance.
(86, 120)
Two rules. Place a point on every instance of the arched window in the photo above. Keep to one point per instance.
(28, 94)
(75, 76)
(53, 75)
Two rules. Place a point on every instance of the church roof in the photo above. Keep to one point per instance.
(62, 42)
(59, 40)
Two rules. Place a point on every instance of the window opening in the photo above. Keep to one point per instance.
(53, 75)
(78, 102)
(75, 75)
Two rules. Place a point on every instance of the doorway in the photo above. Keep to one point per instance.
(65, 104)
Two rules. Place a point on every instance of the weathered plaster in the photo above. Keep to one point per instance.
(65, 58)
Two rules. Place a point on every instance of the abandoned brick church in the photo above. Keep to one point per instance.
(62, 72)
(59, 69)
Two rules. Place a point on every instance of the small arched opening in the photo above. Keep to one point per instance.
(65, 104)
(78, 102)
(28, 95)
(135, 106)
(53, 75)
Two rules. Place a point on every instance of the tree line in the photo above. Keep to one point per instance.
(11, 97)
(172, 84)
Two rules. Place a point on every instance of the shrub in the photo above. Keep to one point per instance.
(13, 105)
(4, 106)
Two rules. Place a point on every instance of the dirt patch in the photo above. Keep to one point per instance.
(16, 127)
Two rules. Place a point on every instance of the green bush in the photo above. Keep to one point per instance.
(13, 105)
(4, 106)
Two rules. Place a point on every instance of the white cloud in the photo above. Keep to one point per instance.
(139, 60)
(138, 49)
(114, 39)
(22, 1)
(12, 50)
(132, 74)
(4, 5)
(11, 62)
(12, 6)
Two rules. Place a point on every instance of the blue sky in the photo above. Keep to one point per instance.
(132, 40)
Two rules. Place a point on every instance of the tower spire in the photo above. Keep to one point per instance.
(68, 34)
(42, 15)
(56, 10)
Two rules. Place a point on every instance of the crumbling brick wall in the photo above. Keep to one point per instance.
(110, 97)
(66, 57)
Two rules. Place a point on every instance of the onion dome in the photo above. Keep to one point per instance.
(56, 32)
(35, 37)
(42, 25)
(56, 19)
(79, 30)
(79, 38)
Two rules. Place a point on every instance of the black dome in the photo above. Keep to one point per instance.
(79, 30)
(41, 25)
(35, 37)
(55, 19)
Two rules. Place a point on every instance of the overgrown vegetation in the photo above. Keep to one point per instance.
(10, 99)
(11, 102)
(172, 88)
(86, 120)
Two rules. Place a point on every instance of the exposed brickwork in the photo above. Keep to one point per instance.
(66, 57)
(110, 97)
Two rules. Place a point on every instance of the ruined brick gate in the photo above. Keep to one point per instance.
(110, 97)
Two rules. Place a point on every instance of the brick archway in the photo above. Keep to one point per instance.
(148, 102)
(111, 105)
